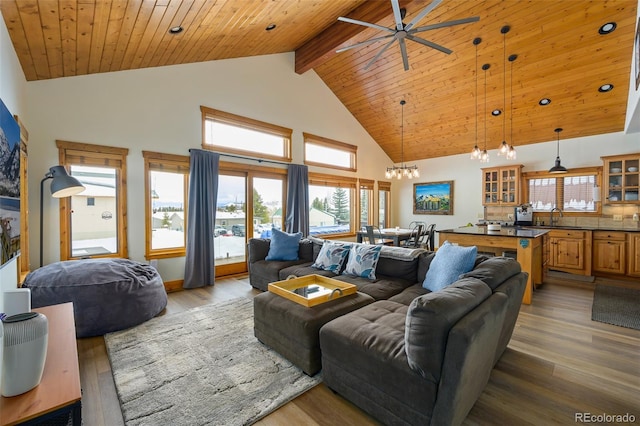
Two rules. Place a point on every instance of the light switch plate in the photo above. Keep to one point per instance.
(617, 217)
(510, 216)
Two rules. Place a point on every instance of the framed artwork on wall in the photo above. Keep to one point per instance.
(433, 197)
(9, 185)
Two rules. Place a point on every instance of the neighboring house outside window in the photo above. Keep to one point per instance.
(572, 192)
(332, 205)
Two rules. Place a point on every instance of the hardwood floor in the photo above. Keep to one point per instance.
(559, 365)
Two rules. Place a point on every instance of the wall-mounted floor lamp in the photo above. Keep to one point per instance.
(62, 186)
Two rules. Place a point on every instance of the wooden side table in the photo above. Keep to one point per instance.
(59, 391)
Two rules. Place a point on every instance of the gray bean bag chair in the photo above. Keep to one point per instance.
(107, 294)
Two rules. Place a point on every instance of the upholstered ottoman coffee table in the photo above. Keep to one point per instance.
(292, 328)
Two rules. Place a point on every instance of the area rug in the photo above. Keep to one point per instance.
(617, 306)
(199, 367)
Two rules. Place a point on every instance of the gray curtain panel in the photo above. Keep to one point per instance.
(297, 199)
(203, 192)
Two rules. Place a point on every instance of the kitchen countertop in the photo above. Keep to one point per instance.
(578, 228)
(505, 231)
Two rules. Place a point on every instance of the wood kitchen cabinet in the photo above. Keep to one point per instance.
(621, 179)
(570, 251)
(633, 250)
(501, 186)
(609, 252)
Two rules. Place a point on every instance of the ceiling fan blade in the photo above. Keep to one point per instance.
(429, 44)
(444, 24)
(366, 24)
(397, 14)
(363, 43)
(422, 14)
(403, 51)
(375, 58)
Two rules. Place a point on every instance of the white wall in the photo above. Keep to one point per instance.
(13, 94)
(466, 173)
(158, 109)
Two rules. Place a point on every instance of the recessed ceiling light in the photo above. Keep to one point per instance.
(605, 88)
(607, 28)
(544, 101)
(496, 112)
(176, 30)
(270, 27)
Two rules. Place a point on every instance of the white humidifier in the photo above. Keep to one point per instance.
(25, 351)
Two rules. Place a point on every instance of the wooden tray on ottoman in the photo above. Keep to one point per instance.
(312, 290)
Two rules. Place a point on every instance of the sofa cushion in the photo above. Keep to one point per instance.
(381, 288)
(301, 270)
(429, 319)
(494, 271)
(449, 262)
(399, 262)
(283, 246)
(407, 295)
(362, 261)
(332, 256)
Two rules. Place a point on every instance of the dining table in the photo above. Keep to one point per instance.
(397, 235)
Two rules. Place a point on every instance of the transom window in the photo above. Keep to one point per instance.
(237, 135)
(319, 151)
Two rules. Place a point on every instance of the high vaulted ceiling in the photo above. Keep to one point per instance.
(561, 56)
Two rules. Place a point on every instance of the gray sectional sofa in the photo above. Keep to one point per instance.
(411, 356)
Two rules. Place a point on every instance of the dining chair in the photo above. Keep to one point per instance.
(430, 233)
(417, 236)
(371, 231)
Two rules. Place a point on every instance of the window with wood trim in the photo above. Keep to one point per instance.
(366, 202)
(166, 190)
(236, 135)
(323, 152)
(572, 192)
(384, 204)
(332, 201)
(98, 230)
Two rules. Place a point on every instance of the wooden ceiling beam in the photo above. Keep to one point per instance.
(323, 47)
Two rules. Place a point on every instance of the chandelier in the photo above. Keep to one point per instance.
(399, 171)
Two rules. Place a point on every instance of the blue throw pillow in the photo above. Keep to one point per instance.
(449, 262)
(363, 260)
(283, 246)
(332, 256)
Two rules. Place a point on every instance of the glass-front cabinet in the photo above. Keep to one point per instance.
(622, 179)
(501, 186)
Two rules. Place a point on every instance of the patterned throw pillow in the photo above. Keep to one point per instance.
(449, 262)
(332, 256)
(363, 260)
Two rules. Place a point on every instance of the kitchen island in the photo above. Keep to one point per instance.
(526, 242)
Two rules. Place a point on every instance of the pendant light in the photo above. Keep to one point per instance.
(558, 168)
(407, 171)
(484, 156)
(511, 155)
(504, 146)
(475, 152)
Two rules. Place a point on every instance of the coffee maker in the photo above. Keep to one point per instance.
(524, 215)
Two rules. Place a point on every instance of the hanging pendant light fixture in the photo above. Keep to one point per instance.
(484, 156)
(504, 146)
(475, 152)
(558, 168)
(407, 171)
(511, 155)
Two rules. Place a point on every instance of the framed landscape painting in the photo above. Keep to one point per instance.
(433, 197)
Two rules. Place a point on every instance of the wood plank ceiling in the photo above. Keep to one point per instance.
(561, 56)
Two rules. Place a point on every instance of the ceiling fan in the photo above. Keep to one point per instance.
(401, 31)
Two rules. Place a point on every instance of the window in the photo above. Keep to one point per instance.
(572, 192)
(237, 135)
(91, 201)
(99, 230)
(366, 202)
(166, 190)
(332, 205)
(319, 151)
(384, 200)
